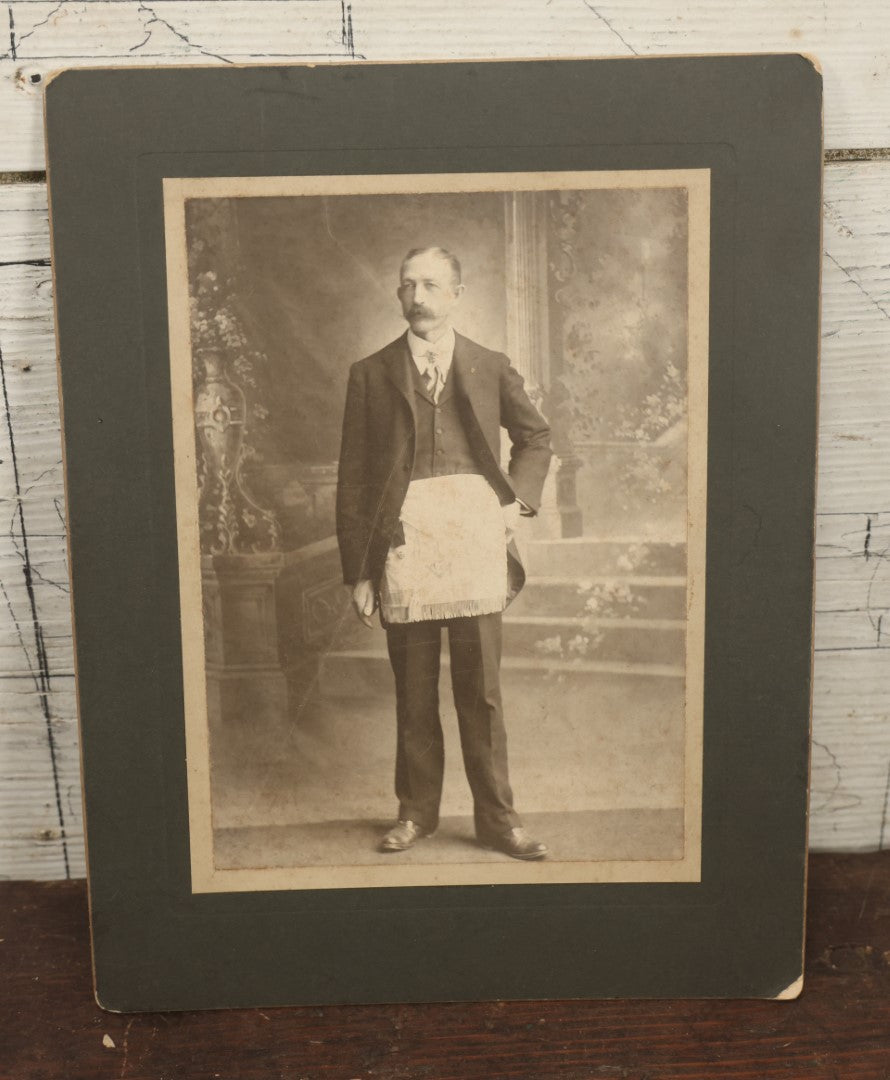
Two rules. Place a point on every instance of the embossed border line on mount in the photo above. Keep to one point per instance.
(205, 876)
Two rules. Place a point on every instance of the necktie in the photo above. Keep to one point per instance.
(433, 376)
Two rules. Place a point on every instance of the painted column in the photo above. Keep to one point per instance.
(537, 240)
(528, 321)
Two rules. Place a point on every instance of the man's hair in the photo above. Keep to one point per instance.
(441, 253)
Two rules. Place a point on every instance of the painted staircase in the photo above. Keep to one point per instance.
(591, 609)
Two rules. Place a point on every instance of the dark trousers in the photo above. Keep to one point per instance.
(475, 647)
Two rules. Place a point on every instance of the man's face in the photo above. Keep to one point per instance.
(428, 293)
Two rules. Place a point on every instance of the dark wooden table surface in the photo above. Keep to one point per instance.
(51, 1028)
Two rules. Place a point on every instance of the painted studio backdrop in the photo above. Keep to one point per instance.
(586, 291)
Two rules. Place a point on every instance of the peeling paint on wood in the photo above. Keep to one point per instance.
(849, 40)
(851, 711)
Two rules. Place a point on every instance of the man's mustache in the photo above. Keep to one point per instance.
(417, 312)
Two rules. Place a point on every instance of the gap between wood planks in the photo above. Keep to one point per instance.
(868, 153)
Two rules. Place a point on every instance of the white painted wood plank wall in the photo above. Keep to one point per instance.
(41, 833)
(850, 38)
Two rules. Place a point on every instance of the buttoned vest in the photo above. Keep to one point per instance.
(442, 447)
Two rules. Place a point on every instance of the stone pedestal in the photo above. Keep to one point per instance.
(246, 684)
(314, 614)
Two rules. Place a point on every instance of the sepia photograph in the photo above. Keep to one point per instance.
(440, 452)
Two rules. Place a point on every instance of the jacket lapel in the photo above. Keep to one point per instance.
(465, 390)
(463, 371)
(398, 370)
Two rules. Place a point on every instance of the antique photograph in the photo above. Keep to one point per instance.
(441, 460)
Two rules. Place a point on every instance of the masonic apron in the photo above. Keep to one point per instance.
(453, 562)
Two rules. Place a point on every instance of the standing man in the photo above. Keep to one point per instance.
(425, 519)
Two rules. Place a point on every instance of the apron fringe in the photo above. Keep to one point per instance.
(418, 612)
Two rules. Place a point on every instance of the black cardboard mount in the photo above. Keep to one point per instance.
(755, 121)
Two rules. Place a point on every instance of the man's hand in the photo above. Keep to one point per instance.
(364, 602)
(511, 519)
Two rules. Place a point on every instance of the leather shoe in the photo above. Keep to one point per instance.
(402, 835)
(516, 843)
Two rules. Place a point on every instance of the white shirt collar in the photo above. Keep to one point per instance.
(443, 347)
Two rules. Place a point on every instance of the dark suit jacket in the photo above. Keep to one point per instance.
(377, 448)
